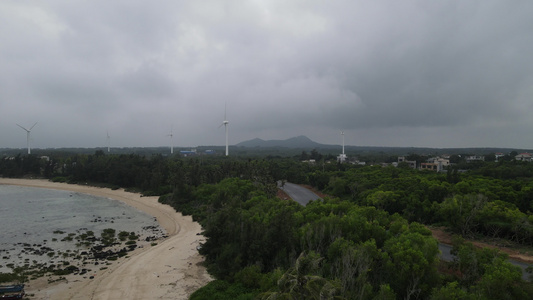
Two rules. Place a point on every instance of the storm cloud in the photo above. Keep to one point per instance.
(388, 73)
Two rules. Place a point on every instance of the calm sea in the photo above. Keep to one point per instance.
(32, 215)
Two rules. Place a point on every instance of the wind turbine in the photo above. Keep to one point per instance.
(28, 135)
(108, 141)
(225, 123)
(171, 143)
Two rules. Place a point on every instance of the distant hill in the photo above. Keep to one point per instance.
(295, 142)
(304, 143)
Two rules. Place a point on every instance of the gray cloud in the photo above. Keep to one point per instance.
(409, 73)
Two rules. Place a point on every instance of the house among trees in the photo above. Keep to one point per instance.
(435, 164)
(472, 158)
(187, 153)
(429, 166)
(524, 157)
(411, 163)
(498, 155)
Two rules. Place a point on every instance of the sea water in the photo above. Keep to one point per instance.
(42, 217)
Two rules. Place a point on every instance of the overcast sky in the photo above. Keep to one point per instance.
(388, 73)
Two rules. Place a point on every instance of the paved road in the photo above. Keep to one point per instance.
(298, 193)
(445, 252)
(303, 196)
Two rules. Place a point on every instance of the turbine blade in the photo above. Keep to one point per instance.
(22, 127)
(33, 125)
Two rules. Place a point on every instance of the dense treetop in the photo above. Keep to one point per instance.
(366, 240)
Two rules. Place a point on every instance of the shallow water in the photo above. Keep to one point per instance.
(30, 216)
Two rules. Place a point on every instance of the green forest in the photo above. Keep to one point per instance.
(367, 239)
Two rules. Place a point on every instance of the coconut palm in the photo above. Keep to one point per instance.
(301, 282)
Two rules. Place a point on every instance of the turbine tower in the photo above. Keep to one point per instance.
(108, 141)
(342, 133)
(342, 157)
(225, 123)
(28, 135)
(171, 143)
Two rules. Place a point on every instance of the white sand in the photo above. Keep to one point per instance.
(169, 270)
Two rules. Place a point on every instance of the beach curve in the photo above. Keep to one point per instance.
(170, 270)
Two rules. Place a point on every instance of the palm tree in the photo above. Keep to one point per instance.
(300, 282)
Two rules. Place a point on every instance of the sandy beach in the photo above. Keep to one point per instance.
(169, 270)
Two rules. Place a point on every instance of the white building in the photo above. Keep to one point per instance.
(524, 157)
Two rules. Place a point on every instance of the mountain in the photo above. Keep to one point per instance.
(295, 142)
(304, 143)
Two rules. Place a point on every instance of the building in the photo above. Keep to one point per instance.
(498, 155)
(411, 163)
(429, 166)
(472, 158)
(524, 157)
(441, 162)
(186, 153)
(437, 164)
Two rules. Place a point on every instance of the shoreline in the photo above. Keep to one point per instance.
(170, 270)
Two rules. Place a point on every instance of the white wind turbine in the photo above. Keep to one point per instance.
(28, 135)
(225, 123)
(171, 143)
